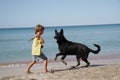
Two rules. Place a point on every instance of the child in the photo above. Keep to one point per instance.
(36, 49)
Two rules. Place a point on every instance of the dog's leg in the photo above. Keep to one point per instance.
(58, 54)
(62, 59)
(87, 62)
(78, 62)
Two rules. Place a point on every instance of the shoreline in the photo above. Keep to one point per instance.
(9, 72)
(68, 59)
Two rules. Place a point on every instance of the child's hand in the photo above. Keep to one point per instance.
(42, 46)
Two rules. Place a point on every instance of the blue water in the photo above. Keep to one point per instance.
(14, 45)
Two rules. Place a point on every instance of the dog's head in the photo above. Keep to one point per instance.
(59, 36)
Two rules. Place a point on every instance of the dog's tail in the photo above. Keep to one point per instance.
(96, 51)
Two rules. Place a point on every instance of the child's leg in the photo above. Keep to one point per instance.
(45, 65)
(29, 66)
(45, 62)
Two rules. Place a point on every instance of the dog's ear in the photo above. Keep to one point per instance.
(56, 31)
(61, 31)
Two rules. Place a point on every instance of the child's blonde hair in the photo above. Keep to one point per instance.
(38, 28)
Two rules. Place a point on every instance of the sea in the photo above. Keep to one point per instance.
(15, 46)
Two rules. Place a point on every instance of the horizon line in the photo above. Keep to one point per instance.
(61, 26)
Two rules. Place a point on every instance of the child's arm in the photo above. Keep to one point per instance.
(31, 39)
(41, 41)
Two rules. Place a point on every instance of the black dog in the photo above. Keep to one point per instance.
(71, 48)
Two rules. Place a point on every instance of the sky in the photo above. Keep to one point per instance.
(28, 13)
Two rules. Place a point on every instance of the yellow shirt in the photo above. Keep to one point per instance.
(36, 47)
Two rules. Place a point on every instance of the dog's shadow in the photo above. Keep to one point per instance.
(71, 68)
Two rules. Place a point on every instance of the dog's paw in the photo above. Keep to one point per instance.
(64, 62)
(55, 59)
(72, 67)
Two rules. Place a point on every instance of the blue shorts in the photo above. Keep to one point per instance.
(36, 57)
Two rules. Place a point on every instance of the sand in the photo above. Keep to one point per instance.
(98, 70)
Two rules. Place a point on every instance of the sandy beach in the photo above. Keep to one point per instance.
(107, 69)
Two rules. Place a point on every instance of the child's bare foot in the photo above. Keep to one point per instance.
(45, 71)
(28, 72)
